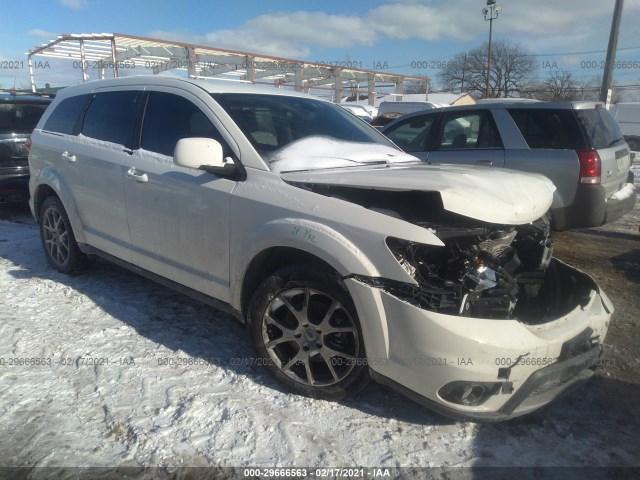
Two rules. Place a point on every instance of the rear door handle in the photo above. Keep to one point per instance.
(485, 162)
(132, 173)
(69, 158)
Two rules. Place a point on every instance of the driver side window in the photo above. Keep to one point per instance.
(412, 135)
(169, 118)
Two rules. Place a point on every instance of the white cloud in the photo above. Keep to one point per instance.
(74, 4)
(39, 33)
(406, 21)
(292, 34)
(570, 60)
(545, 24)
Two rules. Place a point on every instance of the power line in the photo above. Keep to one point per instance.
(575, 53)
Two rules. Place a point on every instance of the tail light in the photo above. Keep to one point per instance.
(27, 144)
(590, 167)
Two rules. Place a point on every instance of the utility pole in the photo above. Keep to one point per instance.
(464, 68)
(490, 12)
(611, 51)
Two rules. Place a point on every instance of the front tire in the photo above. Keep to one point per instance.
(305, 330)
(58, 241)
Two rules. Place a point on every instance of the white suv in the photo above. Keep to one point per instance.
(346, 258)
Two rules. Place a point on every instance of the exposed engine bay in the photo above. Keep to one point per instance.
(483, 270)
(480, 272)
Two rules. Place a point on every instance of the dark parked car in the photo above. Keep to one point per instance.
(577, 145)
(19, 114)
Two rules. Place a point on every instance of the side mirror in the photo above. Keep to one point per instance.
(203, 154)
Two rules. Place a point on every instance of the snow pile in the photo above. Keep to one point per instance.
(123, 372)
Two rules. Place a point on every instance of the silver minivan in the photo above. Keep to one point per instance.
(577, 145)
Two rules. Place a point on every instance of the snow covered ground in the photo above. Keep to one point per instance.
(97, 390)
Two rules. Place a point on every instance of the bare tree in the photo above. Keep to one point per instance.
(417, 86)
(590, 90)
(559, 85)
(512, 70)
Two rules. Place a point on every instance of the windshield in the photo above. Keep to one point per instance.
(271, 122)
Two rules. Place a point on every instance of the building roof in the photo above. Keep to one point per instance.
(115, 51)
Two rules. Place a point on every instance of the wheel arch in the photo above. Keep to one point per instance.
(284, 241)
(50, 184)
(271, 259)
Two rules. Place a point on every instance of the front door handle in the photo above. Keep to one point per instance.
(485, 162)
(68, 157)
(132, 173)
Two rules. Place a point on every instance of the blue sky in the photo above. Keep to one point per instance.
(399, 32)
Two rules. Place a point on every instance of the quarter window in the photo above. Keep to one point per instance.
(549, 128)
(111, 117)
(66, 116)
(169, 118)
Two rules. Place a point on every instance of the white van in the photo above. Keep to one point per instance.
(628, 117)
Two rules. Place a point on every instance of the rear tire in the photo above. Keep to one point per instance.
(305, 330)
(59, 243)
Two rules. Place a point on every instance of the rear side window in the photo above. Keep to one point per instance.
(66, 115)
(412, 134)
(111, 117)
(169, 118)
(601, 129)
(556, 129)
(20, 117)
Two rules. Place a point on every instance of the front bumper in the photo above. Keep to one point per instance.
(418, 352)
(541, 388)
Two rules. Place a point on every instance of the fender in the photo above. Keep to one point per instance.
(50, 177)
(308, 236)
(318, 240)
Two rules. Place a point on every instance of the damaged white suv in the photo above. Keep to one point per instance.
(347, 258)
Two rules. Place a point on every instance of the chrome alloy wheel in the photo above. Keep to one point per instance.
(310, 337)
(56, 236)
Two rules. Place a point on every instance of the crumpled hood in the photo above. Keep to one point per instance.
(494, 195)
